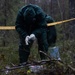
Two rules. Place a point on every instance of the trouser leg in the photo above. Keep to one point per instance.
(23, 54)
(24, 51)
(41, 48)
(43, 44)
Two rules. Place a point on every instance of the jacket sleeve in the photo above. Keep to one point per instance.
(38, 31)
(42, 25)
(41, 18)
(41, 21)
(19, 24)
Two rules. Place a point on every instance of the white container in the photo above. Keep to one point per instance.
(54, 53)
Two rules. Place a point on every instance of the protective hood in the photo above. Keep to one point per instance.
(29, 14)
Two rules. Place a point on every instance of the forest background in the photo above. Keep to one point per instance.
(58, 9)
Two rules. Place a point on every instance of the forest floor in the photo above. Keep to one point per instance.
(9, 55)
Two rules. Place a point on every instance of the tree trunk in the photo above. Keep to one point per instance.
(72, 15)
(5, 22)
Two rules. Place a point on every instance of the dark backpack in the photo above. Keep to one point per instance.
(51, 32)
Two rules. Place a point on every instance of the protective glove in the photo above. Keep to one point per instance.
(32, 37)
(27, 40)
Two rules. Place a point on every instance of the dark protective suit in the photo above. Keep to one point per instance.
(31, 19)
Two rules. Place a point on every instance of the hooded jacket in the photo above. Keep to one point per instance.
(36, 23)
(26, 24)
